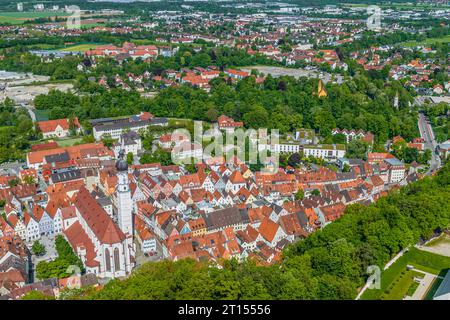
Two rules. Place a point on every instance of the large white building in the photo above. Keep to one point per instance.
(397, 170)
(58, 128)
(354, 134)
(130, 142)
(103, 247)
(324, 151)
(116, 127)
(286, 147)
(187, 150)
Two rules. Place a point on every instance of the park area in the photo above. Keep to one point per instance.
(427, 42)
(82, 47)
(68, 142)
(415, 275)
(20, 17)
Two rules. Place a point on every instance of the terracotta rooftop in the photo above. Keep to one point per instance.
(97, 219)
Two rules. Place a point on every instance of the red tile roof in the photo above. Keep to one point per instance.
(51, 125)
(78, 238)
(75, 152)
(97, 219)
(268, 229)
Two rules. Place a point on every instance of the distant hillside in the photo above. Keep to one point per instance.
(166, 5)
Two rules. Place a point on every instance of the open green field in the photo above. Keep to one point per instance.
(149, 42)
(427, 42)
(67, 142)
(443, 239)
(405, 6)
(21, 17)
(41, 46)
(397, 280)
(91, 25)
(81, 47)
(403, 285)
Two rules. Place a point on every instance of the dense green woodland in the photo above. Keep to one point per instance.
(283, 103)
(329, 264)
(362, 102)
(20, 60)
(16, 131)
(438, 115)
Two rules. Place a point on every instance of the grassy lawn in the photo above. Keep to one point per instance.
(67, 142)
(21, 17)
(402, 285)
(412, 288)
(180, 122)
(149, 42)
(91, 25)
(41, 46)
(443, 239)
(81, 47)
(397, 280)
(427, 42)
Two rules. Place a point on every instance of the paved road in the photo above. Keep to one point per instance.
(423, 287)
(29, 109)
(426, 132)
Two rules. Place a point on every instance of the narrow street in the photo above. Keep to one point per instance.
(426, 132)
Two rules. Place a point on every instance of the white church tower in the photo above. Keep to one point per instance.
(396, 104)
(123, 196)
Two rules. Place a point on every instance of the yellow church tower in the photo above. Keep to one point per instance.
(321, 92)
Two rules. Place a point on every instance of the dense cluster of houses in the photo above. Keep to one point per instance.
(417, 73)
(110, 211)
(222, 210)
(130, 50)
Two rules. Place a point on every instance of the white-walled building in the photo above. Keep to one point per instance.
(325, 151)
(131, 142)
(396, 169)
(116, 127)
(58, 128)
(102, 246)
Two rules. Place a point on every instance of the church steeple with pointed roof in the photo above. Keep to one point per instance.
(321, 92)
(123, 196)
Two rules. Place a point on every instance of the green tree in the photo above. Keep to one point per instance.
(130, 158)
(107, 140)
(38, 248)
(37, 295)
(29, 180)
(357, 149)
(299, 195)
(257, 118)
(13, 182)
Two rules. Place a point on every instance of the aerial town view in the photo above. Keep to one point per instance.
(225, 149)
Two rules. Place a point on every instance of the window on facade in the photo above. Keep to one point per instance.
(116, 259)
(108, 260)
